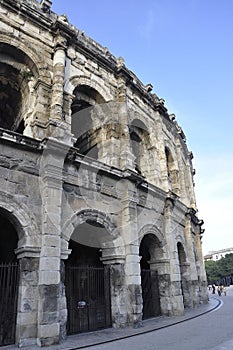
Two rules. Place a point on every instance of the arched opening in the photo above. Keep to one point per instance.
(84, 126)
(87, 280)
(9, 279)
(16, 74)
(185, 285)
(139, 137)
(149, 277)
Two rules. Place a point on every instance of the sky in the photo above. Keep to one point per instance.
(184, 48)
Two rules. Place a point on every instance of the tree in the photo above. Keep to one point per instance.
(217, 270)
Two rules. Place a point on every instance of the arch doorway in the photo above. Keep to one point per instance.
(9, 278)
(149, 278)
(87, 282)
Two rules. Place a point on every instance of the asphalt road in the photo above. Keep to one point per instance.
(212, 331)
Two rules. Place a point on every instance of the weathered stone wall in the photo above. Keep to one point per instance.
(90, 143)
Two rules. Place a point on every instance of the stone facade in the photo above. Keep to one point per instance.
(90, 155)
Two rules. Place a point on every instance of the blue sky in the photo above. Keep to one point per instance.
(185, 49)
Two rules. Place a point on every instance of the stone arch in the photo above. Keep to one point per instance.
(148, 251)
(86, 118)
(23, 220)
(181, 239)
(159, 265)
(152, 229)
(87, 276)
(140, 143)
(37, 60)
(114, 245)
(75, 81)
(20, 70)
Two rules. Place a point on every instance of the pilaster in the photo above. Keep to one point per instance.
(132, 260)
(177, 307)
(163, 268)
(118, 289)
(49, 266)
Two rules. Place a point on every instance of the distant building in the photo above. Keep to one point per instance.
(217, 254)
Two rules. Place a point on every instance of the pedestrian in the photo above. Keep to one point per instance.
(219, 290)
(213, 288)
(224, 290)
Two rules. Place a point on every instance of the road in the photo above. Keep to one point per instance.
(212, 331)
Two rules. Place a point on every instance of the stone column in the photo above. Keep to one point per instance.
(58, 127)
(129, 234)
(153, 159)
(177, 307)
(26, 328)
(36, 126)
(192, 272)
(201, 267)
(117, 288)
(190, 183)
(181, 165)
(58, 83)
(49, 269)
(127, 159)
(162, 156)
(163, 268)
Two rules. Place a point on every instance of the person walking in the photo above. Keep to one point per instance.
(219, 290)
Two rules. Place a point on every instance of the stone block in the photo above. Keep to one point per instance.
(48, 331)
(51, 263)
(27, 318)
(50, 251)
(49, 277)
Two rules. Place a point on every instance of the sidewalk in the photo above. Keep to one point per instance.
(83, 340)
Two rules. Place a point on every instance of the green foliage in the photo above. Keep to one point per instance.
(216, 270)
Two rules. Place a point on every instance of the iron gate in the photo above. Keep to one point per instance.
(9, 274)
(88, 298)
(150, 293)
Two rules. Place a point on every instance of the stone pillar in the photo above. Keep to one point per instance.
(26, 328)
(181, 165)
(190, 183)
(58, 128)
(127, 159)
(129, 234)
(162, 156)
(163, 268)
(201, 267)
(192, 272)
(49, 269)
(58, 83)
(109, 144)
(175, 292)
(117, 288)
(36, 126)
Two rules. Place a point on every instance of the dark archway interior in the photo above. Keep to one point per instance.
(8, 239)
(10, 96)
(84, 255)
(181, 253)
(144, 251)
(149, 278)
(16, 69)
